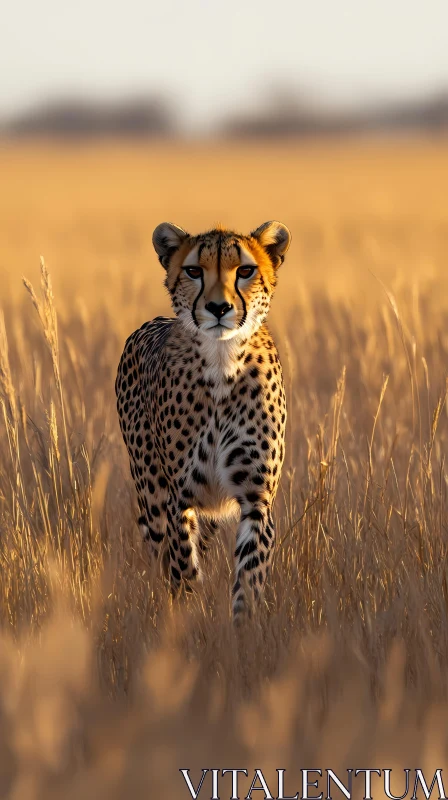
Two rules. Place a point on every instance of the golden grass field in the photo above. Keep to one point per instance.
(107, 689)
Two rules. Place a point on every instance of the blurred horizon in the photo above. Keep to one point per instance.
(206, 67)
(280, 111)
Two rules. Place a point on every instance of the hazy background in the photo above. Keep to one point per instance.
(237, 67)
(346, 661)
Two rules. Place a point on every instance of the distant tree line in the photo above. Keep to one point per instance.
(82, 118)
(284, 117)
(279, 115)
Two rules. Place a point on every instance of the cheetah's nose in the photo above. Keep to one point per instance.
(219, 309)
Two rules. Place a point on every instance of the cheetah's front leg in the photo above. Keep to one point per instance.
(183, 535)
(253, 554)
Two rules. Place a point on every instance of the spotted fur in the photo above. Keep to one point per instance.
(201, 403)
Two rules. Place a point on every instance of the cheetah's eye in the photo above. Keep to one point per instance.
(245, 272)
(193, 272)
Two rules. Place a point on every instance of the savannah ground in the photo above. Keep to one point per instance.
(107, 688)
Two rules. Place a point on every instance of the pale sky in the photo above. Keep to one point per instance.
(216, 56)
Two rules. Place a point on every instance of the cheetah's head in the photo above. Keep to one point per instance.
(221, 282)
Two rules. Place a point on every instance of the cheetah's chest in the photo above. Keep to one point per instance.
(199, 422)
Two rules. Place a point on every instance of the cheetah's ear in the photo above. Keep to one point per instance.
(275, 238)
(167, 238)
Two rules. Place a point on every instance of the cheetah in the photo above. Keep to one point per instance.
(202, 407)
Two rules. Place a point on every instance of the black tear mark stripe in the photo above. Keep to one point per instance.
(243, 318)
(219, 251)
(193, 310)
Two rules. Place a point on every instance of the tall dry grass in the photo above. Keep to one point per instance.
(107, 687)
